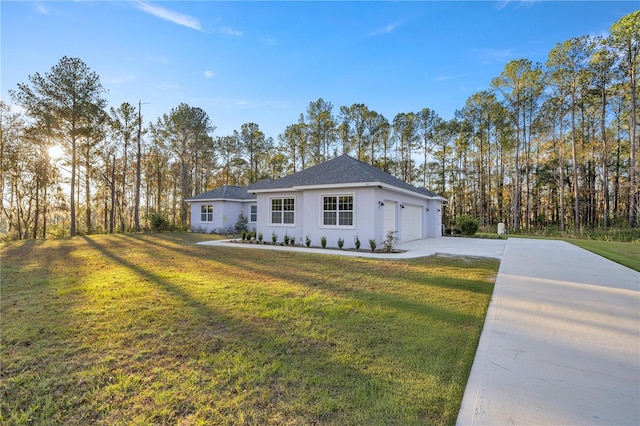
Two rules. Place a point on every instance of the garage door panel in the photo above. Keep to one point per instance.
(411, 223)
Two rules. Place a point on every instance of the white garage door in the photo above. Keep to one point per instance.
(411, 223)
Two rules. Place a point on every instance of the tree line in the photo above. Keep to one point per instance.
(546, 145)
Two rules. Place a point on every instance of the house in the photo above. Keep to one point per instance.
(342, 198)
(218, 210)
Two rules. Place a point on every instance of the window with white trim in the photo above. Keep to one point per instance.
(253, 214)
(337, 210)
(206, 213)
(283, 211)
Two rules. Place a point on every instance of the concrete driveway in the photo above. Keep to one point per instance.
(561, 341)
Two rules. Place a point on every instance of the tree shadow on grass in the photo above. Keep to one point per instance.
(289, 351)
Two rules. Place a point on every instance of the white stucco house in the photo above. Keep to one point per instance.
(340, 198)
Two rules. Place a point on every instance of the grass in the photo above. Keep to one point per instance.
(152, 329)
(627, 254)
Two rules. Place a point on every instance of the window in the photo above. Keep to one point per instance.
(206, 213)
(282, 210)
(253, 214)
(337, 210)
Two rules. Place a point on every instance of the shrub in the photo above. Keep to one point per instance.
(372, 244)
(340, 243)
(356, 241)
(260, 237)
(286, 239)
(323, 242)
(293, 240)
(389, 241)
(307, 241)
(274, 237)
(241, 223)
(467, 225)
(158, 221)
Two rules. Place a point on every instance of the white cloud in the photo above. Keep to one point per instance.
(268, 40)
(41, 9)
(387, 29)
(494, 55)
(443, 77)
(209, 74)
(229, 31)
(169, 15)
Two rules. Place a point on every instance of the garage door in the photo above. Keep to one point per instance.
(411, 223)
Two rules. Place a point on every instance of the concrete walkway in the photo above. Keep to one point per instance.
(476, 247)
(561, 341)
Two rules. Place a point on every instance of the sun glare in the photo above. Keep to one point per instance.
(55, 152)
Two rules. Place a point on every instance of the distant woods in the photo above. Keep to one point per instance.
(551, 145)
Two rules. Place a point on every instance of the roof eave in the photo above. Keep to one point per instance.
(193, 200)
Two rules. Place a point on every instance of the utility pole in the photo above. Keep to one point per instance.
(136, 217)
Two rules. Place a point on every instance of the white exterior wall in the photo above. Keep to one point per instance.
(225, 215)
(397, 200)
(434, 219)
(368, 220)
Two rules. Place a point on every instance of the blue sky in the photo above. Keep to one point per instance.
(264, 62)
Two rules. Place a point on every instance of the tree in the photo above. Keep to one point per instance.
(124, 123)
(228, 148)
(567, 65)
(321, 126)
(67, 96)
(512, 84)
(625, 39)
(182, 133)
(254, 145)
(426, 121)
(602, 66)
(405, 133)
(294, 143)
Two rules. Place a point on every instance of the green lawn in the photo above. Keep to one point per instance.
(152, 329)
(627, 254)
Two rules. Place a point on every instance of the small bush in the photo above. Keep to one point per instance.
(372, 244)
(241, 223)
(467, 225)
(340, 243)
(274, 237)
(323, 242)
(389, 241)
(293, 240)
(260, 237)
(356, 241)
(307, 241)
(286, 239)
(158, 221)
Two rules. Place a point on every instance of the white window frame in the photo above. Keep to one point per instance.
(338, 211)
(253, 213)
(282, 212)
(206, 216)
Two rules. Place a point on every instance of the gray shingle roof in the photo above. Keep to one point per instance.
(226, 192)
(340, 170)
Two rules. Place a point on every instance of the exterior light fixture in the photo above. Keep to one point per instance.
(381, 203)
